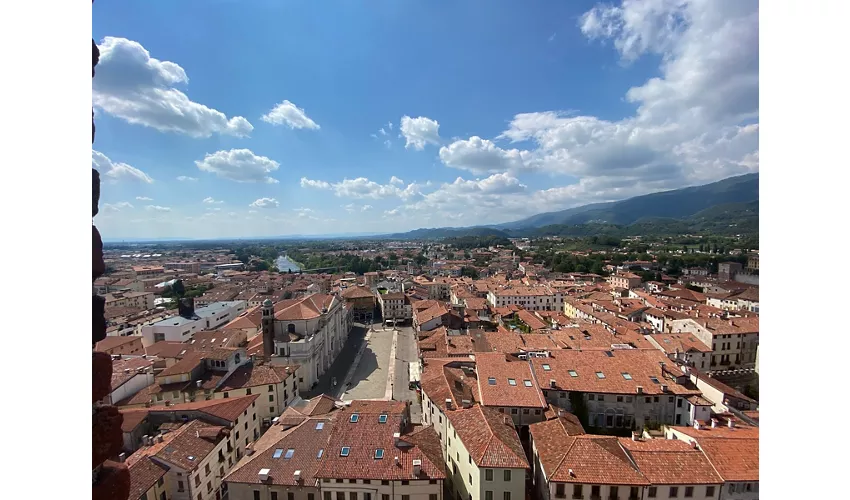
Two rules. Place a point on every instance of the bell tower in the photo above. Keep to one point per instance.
(268, 329)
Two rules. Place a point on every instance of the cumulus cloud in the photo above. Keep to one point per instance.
(141, 90)
(696, 122)
(481, 156)
(212, 201)
(118, 171)
(265, 203)
(240, 165)
(157, 208)
(287, 113)
(419, 131)
(186, 178)
(396, 180)
(362, 187)
(117, 207)
(144, 198)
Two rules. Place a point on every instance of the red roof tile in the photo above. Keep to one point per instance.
(504, 380)
(670, 461)
(489, 436)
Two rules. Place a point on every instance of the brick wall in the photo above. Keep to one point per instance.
(110, 478)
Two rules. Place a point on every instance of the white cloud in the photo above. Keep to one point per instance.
(117, 207)
(287, 113)
(382, 131)
(390, 125)
(212, 201)
(362, 187)
(144, 198)
(265, 203)
(186, 178)
(481, 156)
(388, 143)
(365, 208)
(214, 209)
(396, 180)
(419, 131)
(139, 89)
(695, 123)
(157, 208)
(117, 171)
(240, 165)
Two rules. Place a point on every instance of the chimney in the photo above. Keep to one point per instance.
(552, 383)
(197, 434)
(635, 436)
(122, 457)
(199, 383)
(417, 467)
(664, 388)
(639, 389)
(713, 423)
(145, 439)
(731, 423)
(694, 445)
(448, 403)
(397, 463)
(572, 474)
(396, 439)
(560, 412)
(264, 474)
(507, 420)
(167, 402)
(697, 425)
(297, 476)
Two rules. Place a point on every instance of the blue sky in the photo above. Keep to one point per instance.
(292, 118)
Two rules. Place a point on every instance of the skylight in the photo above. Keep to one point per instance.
(654, 380)
(289, 454)
(627, 376)
(344, 451)
(573, 373)
(320, 453)
(600, 375)
(379, 453)
(277, 453)
(491, 380)
(546, 368)
(511, 381)
(527, 383)
(320, 426)
(354, 417)
(382, 419)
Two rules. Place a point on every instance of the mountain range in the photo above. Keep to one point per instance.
(729, 205)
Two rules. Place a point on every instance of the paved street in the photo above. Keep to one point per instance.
(373, 365)
(405, 354)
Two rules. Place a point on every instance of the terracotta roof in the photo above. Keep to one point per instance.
(186, 365)
(227, 409)
(734, 459)
(681, 342)
(489, 436)
(248, 319)
(167, 349)
(366, 435)
(187, 449)
(319, 405)
(115, 341)
(670, 461)
(132, 418)
(507, 381)
(252, 375)
(722, 431)
(619, 371)
(119, 377)
(592, 459)
(143, 476)
(308, 307)
(357, 292)
(531, 320)
(443, 379)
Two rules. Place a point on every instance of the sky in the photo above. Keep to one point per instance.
(234, 119)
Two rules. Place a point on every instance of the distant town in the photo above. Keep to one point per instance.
(472, 367)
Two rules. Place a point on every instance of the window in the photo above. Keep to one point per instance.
(385, 497)
(289, 454)
(655, 399)
(507, 474)
(340, 495)
(612, 492)
(514, 411)
(385, 482)
(546, 367)
(679, 403)
(366, 495)
(227, 395)
(491, 380)
(180, 486)
(352, 495)
(648, 399)
(709, 491)
(600, 375)
(310, 496)
(619, 399)
(633, 492)
(488, 474)
(652, 492)
(209, 487)
(405, 482)
(379, 453)
(601, 397)
(271, 388)
(256, 495)
(507, 495)
(469, 457)
(594, 491)
(674, 492)
(382, 419)
(654, 380)
(559, 490)
(470, 479)
(405, 497)
(197, 480)
(160, 481)
(344, 451)
(689, 491)
(525, 411)
(626, 376)
(573, 373)
(354, 418)
(671, 399)
(248, 391)
(320, 453)
(511, 381)
(432, 496)
(577, 493)
(327, 495)
(271, 398)
(488, 495)
(320, 426)
(591, 397)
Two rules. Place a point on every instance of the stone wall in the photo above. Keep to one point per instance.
(110, 478)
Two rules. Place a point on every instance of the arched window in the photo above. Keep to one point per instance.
(290, 328)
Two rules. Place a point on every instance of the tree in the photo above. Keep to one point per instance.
(178, 289)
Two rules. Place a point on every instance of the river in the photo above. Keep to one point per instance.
(284, 264)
